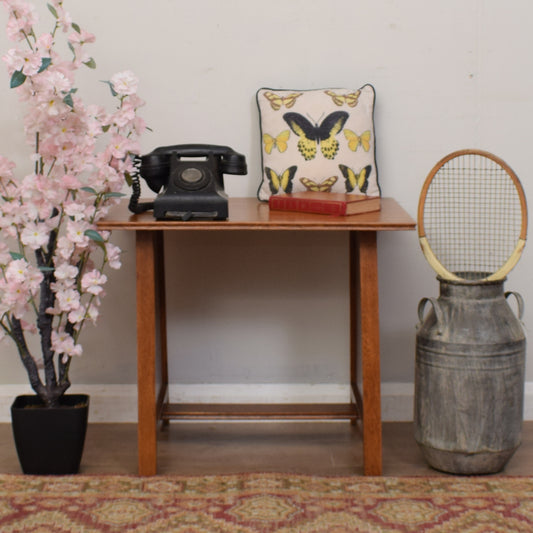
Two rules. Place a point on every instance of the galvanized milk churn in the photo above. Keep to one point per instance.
(469, 377)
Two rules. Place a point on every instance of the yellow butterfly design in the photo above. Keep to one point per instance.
(350, 99)
(323, 186)
(280, 141)
(280, 182)
(277, 101)
(353, 180)
(323, 134)
(355, 140)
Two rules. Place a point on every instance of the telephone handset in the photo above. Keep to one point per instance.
(190, 188)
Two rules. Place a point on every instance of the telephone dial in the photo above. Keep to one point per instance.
(189, 180)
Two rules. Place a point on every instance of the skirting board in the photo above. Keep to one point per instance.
(118, 403)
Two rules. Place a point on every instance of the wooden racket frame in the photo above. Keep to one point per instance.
(424, 244)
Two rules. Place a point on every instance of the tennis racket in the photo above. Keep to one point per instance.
(472, 217)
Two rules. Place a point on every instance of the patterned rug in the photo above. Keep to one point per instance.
(251, 503)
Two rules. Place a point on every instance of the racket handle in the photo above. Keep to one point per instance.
(519, 301)
(436, 308)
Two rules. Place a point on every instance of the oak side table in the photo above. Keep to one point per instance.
(248, 214)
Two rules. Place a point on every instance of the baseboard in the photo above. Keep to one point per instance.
(118, 403)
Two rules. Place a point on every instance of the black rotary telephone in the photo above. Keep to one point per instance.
(190, 178)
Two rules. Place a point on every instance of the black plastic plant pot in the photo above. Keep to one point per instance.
(49, 440)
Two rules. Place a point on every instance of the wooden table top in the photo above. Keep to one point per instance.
(251, 214)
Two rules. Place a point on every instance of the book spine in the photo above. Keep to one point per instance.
(284, 203)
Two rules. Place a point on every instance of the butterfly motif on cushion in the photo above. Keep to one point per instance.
(354, 140)
(323, 134)
(353, 180)
(279, 142)
(323, 186)
(277, 101)
(280, 182)
(350, 99)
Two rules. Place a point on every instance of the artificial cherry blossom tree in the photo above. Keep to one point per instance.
(52, 257)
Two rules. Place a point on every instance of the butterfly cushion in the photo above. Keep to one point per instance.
(317, 140)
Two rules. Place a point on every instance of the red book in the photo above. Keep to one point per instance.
(325, 203)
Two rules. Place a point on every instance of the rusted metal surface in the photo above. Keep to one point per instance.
(469, 377)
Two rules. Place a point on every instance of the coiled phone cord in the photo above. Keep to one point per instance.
(134, 205)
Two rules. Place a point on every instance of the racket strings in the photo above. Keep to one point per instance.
(472, 216)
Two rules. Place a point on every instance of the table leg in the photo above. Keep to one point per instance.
(364, 251)
(146, 264)
(162, 376)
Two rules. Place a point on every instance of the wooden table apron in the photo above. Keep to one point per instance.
(250, 215)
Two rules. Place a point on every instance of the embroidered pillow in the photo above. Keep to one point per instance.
(317, 140)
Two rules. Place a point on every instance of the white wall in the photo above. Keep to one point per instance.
(448, 74)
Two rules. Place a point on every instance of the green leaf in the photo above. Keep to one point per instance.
(89, 189)
(113, 92)
(15, 256)
(17, 79)
(113, 195)
(68, 100)
(128, 178)
(52, 10)
(76, 27)
(45, 63)
(94, 235)
(91, 63)
(68, 97)
(105, 128)
(46, 269)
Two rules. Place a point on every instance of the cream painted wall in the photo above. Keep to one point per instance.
(269, 308)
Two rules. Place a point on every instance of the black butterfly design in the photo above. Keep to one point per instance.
(354, 180)
(323, 134)
(281, 182)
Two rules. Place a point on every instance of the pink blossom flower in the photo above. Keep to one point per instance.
(113, 255)
(68, 299)
(65, 248)
(21, 281)
(139, 125)
(63, 17)
(98, 113)
(81, 37)
(22, 17)
(6, 167)
(124, 116)
(57, 80)
(75, 210)
(76, 232)
(63, 343)
(93, 313)
(16, 298)
(34, 279)
(16, 271)
(125, 83)
(32, 63)
(119, 146)
(134, 101)
(29, 327)
(35, 235)
(14, 60)
(55, 106)
(66, 273)
(92, 282)
(77, 316)
(44, 43)
(38, 194)
(70, 182)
